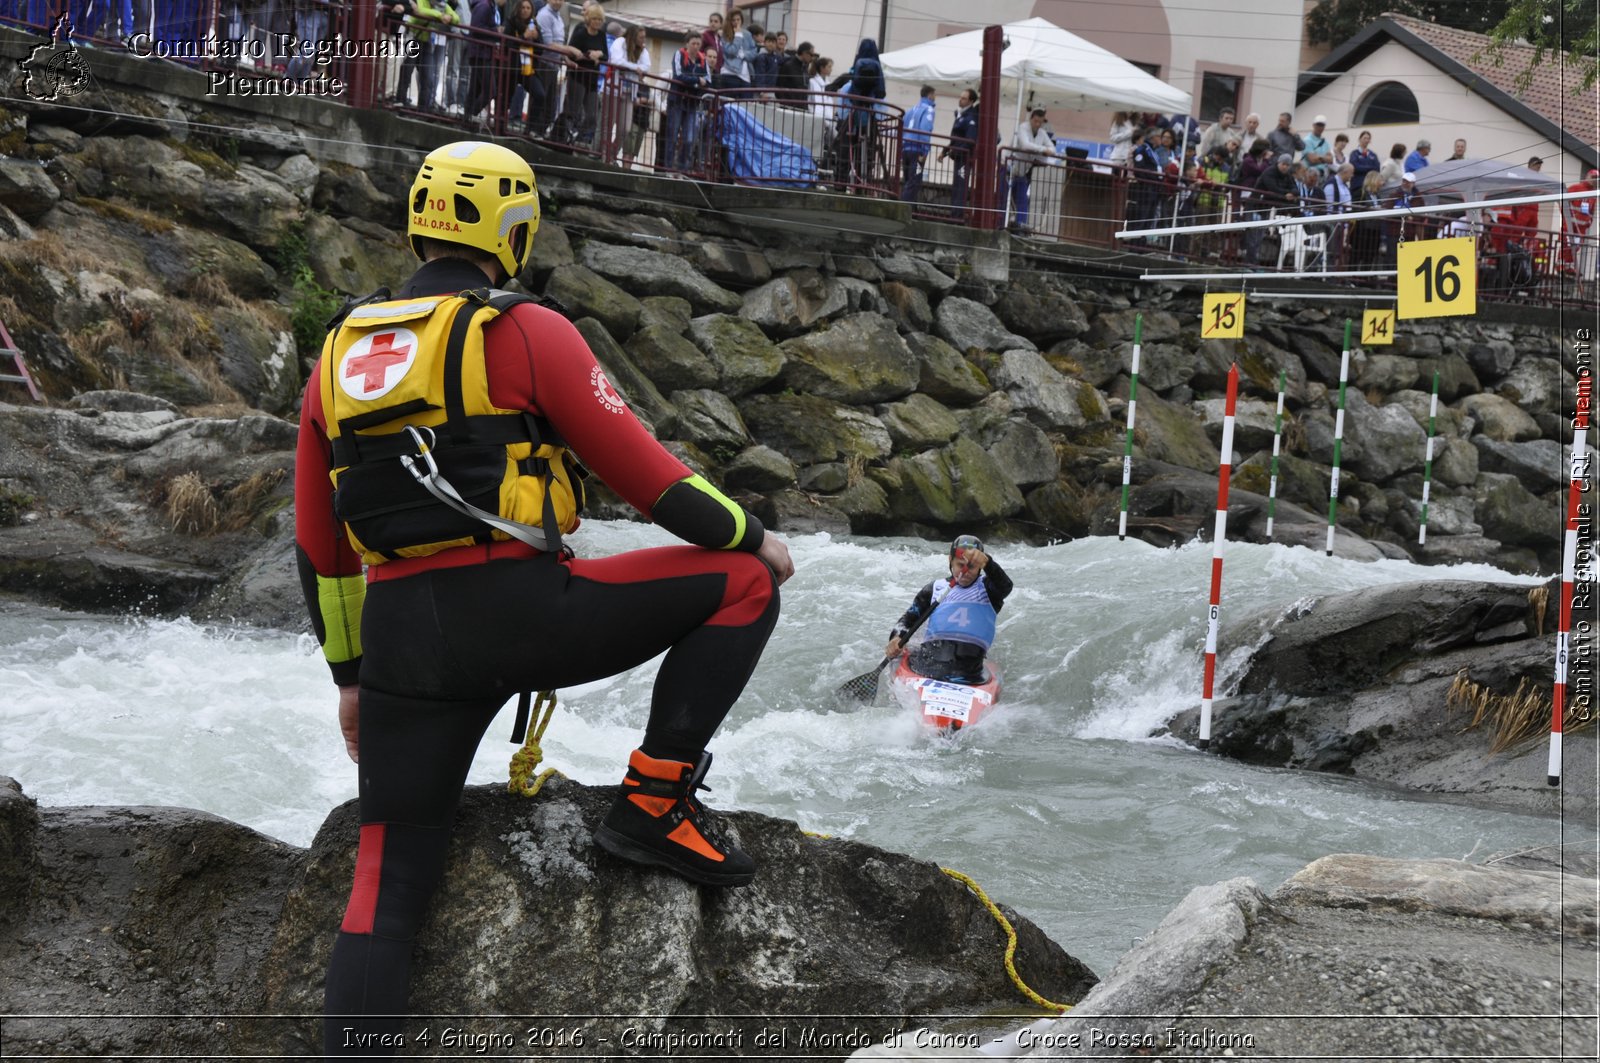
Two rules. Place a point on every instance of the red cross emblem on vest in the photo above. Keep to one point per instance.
(366, 368)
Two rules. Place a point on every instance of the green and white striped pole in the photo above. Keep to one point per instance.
(1277, 436)
(1127, 447)
(1427, 461)
(1338, 437)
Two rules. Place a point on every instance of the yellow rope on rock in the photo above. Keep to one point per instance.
(1011, 942)
(526, 759)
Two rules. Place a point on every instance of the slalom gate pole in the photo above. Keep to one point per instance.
(1427, 461)
(1277, 437)
(1218, 537)
(1569, 556)
(1127, 447)
(1338, 437)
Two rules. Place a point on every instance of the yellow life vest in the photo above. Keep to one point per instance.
(423, 460)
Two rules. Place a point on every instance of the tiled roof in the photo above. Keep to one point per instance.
(1554, 90)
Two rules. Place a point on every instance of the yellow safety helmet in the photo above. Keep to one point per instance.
(477, 194)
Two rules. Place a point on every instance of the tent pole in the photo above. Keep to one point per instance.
(985, 155)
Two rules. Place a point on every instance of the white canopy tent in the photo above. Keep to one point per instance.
(1060, 69)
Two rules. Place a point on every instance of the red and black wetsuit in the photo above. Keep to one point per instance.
(446, 639)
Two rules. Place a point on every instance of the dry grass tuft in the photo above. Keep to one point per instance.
(208, 289)
(855, 467)
(1518, 717)
(242, 503)
(1294, 439)
(191, 507)
(1539, 601)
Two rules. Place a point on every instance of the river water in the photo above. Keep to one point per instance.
(1058, 804)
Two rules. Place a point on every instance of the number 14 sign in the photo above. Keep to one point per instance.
(1437, 278)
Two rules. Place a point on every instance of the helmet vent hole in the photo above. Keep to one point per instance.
(419, 200)
(505, 186)
(522, 188)
(465, 211)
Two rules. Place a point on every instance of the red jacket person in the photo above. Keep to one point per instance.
(436, 451)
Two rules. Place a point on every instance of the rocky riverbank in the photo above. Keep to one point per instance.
(533, 920)
(1441, 688)
(844, 949)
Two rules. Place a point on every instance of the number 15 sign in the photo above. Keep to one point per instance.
(1437, 278)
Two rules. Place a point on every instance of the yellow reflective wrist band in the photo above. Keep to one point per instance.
(340, 598)
(736, 511)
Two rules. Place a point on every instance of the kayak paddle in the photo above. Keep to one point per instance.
(863, 687)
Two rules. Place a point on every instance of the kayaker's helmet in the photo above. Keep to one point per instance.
(479, 195)
(964, 545)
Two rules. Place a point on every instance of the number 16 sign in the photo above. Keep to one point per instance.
(1437, 278)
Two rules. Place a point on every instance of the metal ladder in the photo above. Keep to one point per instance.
(8, 349)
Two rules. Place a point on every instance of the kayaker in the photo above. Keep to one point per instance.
(960, 612)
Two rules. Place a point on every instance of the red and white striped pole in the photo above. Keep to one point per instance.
(1218, 537)
(1569, 555)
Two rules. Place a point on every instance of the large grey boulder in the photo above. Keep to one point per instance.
(1391, 442)
(1254, 422)
(918, 422)
(1166, 431)
(857, 360)
(788, 305)
(587, 294)
(1116, 327)
(758, 468)
(1369, 683)
(630, 229)
(828, 927)
(967, 325)
(1500, 419)
(343, 260)
(669, 360)
(1539, 385)
(743, 356)
(809, 430)
(1509, 513)
(943, 373)
(1024, 453)
(1539, 463)
(917, 272)
(1232, 972)
(710, 421)
(1036, 306)
(1048, 398)
(25, 188)
(958, 484)
(642, 272)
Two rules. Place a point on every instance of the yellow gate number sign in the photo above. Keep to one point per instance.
(1223, 316)
(1438, 278)
(1377, 326)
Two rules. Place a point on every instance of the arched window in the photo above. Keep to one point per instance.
(1390, 103)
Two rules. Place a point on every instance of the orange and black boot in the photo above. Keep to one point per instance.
(657, 821)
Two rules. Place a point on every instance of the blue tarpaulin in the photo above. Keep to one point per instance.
(759, 156)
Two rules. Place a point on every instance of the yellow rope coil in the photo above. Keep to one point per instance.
(526, 759)
(1011, 942)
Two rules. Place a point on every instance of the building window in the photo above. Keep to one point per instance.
(1218, 93)
(1390, 103)
(776, 17)
(1153, 69)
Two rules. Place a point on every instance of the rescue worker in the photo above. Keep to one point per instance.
(435, 446)
(960, 613)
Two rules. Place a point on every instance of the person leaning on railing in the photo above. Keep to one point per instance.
(630, 118)
(1030, 146)
(526, 84)
(690, 79)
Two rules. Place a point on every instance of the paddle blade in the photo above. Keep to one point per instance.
(863, 687)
